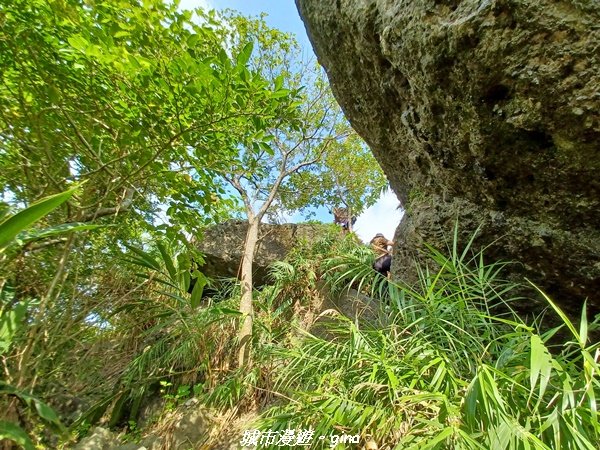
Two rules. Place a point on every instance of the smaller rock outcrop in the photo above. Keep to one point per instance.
(100, 439)
(223, 246)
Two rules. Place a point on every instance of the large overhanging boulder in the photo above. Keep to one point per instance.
(481, 110)
(223, 246)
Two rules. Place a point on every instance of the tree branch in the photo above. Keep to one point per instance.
(40, 245)
(235, 182)
(123, 206)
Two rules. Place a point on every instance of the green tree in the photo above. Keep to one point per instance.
(286, 172)
(348, 176)
(141, 101)
(111, 92)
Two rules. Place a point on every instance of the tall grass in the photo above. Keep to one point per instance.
(454, 368)
(175, 339)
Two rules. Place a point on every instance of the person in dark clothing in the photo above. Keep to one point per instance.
(381, 247)
(383, 264)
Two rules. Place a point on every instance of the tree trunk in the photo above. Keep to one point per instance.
(349, 219)
(245, 335)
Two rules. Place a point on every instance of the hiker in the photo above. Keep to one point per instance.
(342, 217)
(383, 255)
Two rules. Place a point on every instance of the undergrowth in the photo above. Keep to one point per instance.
(453, 366)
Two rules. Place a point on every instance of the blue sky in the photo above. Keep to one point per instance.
(283, 14)
(383, 217)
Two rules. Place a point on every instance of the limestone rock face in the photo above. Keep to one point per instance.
(99, 439)
(481, 110)
(223, 245)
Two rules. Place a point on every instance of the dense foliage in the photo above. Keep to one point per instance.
(113, 92)
(126, 127)
(148, 110)
(450, 366)
(444, 364)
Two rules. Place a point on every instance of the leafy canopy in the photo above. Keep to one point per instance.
(322, 160)
(130, 96)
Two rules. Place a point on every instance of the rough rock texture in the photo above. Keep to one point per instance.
(191, 429)
(485, 110)
(99, 439)
(223, 245)
(190, 426)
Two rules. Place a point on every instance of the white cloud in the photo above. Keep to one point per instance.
(383, 217)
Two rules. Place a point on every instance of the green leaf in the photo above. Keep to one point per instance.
(10, 321)
(280, 93)
(134, 61)
(146, 259)
(47, 413)
(201, 281)
(179, 298)
(392, 378)
(184, 279)
(168, 262)
(562, 315)
(193, 40)
(441, 438)
(33, 235)
(226, 311)
(11, 227)
(16, 434)
(244, 56)
(43, 410)
(278, 82)
(583, 326)
(152, 277)
(78, 42)
(223, 58)
(541, 365)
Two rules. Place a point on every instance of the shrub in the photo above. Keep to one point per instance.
(455, 367)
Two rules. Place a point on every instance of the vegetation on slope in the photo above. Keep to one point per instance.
(454, 367)
(448, 364)
(151, 110)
